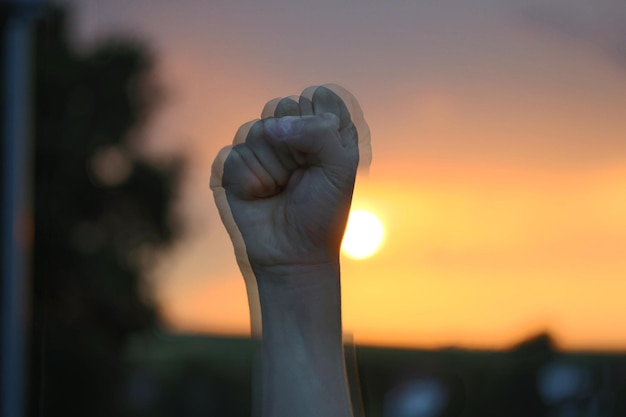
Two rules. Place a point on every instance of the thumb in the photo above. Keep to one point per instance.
(316, 138)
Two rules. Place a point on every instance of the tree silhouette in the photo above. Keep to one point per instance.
(99, 213)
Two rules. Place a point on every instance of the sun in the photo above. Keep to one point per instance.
(364, 234)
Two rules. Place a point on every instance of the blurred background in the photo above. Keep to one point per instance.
(498, 176)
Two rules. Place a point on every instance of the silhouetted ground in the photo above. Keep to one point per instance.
(531, 380)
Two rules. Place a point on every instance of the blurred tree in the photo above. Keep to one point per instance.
(99, 213)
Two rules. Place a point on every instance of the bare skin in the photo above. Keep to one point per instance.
(284, 195)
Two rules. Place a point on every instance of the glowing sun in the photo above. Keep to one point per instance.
(364, 234)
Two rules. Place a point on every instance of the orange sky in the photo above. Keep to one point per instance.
(499, 152)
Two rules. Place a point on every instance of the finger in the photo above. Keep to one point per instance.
(287, 107)
(242, 132)
(270, 108)
(362, 136)
(306, 106)
(277, 162)
(245, 177)
(316, 138)
(217, 169)
(326, 101)
(306, 101)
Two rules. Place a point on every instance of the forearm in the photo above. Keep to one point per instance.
(303, 368)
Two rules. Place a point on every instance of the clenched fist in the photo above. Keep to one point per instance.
(288, 186)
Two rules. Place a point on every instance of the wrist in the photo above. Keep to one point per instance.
(286, 277)
(311, 292)
(303, 357)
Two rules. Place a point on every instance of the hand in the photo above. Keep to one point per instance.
(288, 186)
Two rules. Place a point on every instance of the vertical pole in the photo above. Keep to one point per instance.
(16, 74)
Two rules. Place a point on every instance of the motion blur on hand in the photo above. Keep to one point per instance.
(284, 188)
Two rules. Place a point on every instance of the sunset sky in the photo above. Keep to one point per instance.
(499, 156)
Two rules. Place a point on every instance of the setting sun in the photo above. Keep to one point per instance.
(364, 234)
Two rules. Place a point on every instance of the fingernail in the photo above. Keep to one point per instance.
(288, 126)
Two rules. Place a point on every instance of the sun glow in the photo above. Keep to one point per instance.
(364, 234)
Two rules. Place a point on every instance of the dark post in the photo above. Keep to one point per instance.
(16, 18)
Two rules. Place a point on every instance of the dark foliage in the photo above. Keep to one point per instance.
(99, 213)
